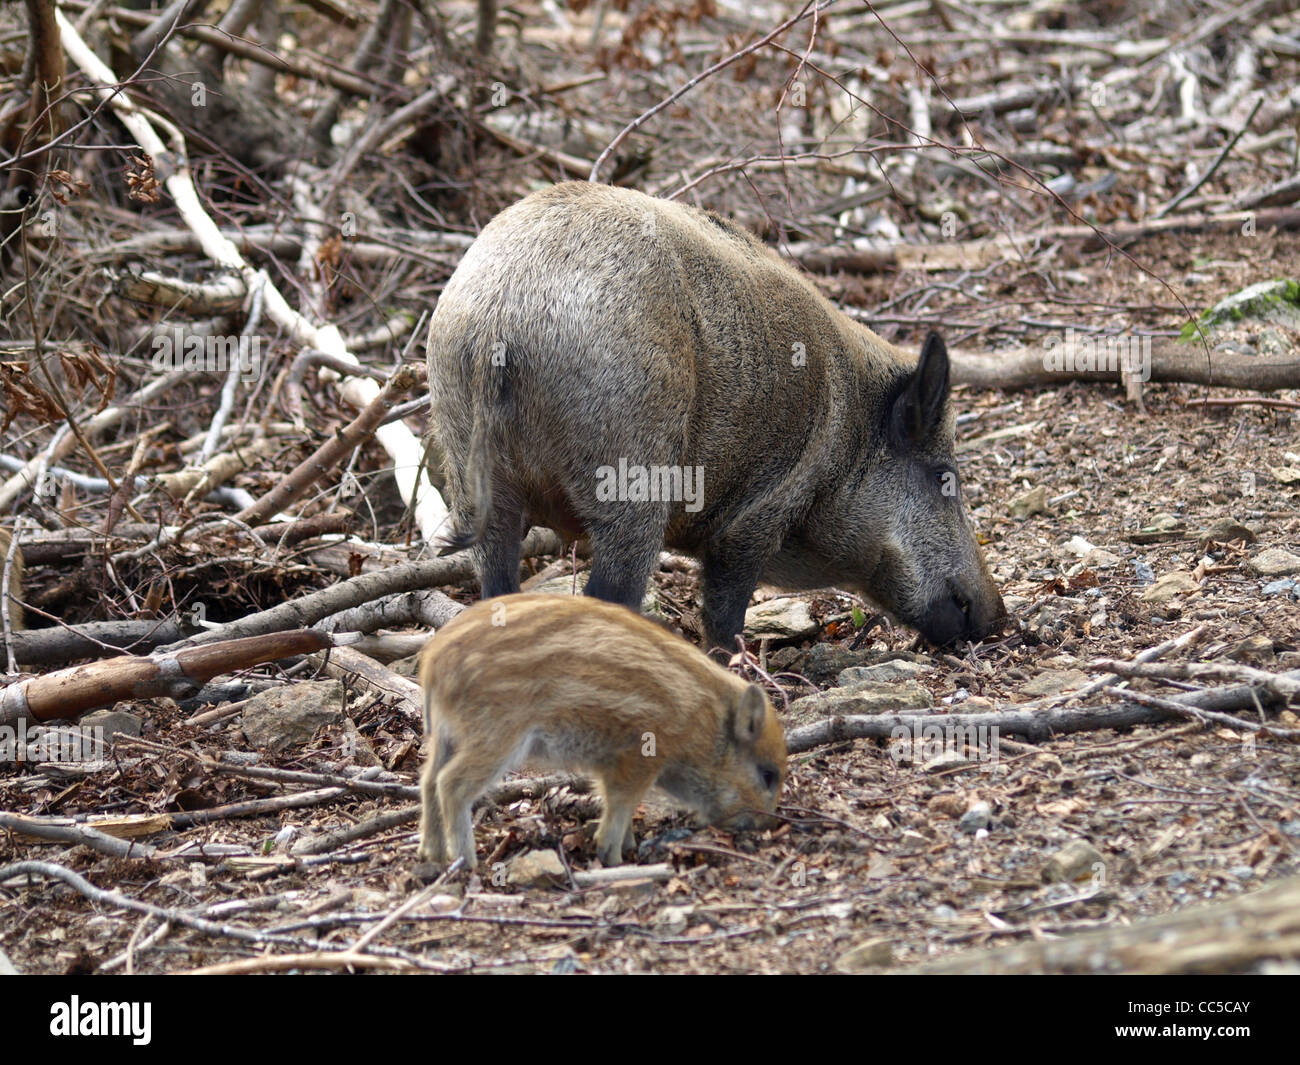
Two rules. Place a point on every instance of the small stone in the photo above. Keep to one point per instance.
(1178, 879)
(880, 867)
(673, 920)
(871, 954)
(1274, 562)
(786, 618)
(1028, 503)
(944, 912)
(1225, 530)
(1285, 474)
(911, 840)
(113, 723)
(1291, 828)
(1242, 872)
(977, 817)
(1170, 585)
(1077, 860)
(1100, 558)
(868, 698)
(895, 669)
(1286, 586)
(1078, 546)
(1144, 573)
(291, 714)
(1250, 647)
(6, 966)
(950, 804)
(535, 869)
(881, 823)
(946, 760)
(1054, 681)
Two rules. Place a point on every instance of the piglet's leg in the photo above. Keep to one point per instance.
(431, 837)
(462, 780)
(621, 788)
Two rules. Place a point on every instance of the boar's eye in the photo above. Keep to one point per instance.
(769, 777)
(945, 479)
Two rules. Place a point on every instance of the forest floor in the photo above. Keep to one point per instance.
(874, 854)
(1092, 513)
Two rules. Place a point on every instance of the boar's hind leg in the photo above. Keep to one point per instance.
(496, 555)
(729, 576)
(624, 551)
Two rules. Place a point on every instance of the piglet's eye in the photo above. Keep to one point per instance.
(768, 776)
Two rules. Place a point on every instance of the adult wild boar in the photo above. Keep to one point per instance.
(649, 374)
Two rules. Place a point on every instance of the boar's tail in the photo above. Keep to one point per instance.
(490, 388)
(478, 478)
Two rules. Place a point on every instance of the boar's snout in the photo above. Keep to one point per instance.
(963, 613)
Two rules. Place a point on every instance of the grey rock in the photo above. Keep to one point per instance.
(785, 618)
(1170, 586)
(977, 817)
(290, 715)
(113, 723)
(1029, 503)
(871, 954)
(893, 670)
(1077, 860)
(535, 869)
(1274, 562)
(1286, 586)
(866, 698)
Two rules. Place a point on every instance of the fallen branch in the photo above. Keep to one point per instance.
(1227, 937)
(68, 693)
(1035, 725)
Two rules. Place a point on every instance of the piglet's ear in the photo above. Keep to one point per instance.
(751, 715)
(920, 405)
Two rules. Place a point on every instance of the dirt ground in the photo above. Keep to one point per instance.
(873, 862)
(883, 861)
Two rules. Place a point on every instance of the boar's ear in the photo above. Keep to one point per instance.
(919, 405)
(751, 715)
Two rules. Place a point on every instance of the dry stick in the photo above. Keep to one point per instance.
(309, 67)
(1170, 361)
(1035, 725)
(1209, 715)
(358, 590)
(295, 776)
(810, 7)
(299, 482)
(1178, 643)
(344, 661)
(257, 807)
(1283, 685)
(1227, 149)
(181, 917)
(278, 963)
(398, 440)
(88, 837)
(70, 692)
